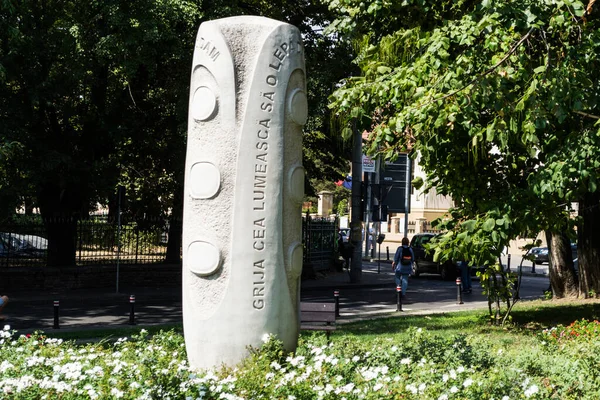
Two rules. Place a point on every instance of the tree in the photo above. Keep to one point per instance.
(95, 95)
(493, 96)
(77, 80)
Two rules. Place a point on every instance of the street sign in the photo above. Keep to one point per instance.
(368, 164)
(393, 185)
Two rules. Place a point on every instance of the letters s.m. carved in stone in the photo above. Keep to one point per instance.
(244, 183)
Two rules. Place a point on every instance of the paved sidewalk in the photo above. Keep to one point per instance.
(103, 308)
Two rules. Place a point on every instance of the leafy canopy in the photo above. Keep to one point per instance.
(498, 98)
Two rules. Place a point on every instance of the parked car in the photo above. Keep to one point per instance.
(18, 245)
(540, 254)
(424, 259)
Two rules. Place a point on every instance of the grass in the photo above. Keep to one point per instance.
(110, 334)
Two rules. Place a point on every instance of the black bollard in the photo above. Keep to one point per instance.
(131, 309)
(336, 295)
(398, 298)
(508, 264)
(387, 253)
(458, 291)
(56, 305)
(533, 267)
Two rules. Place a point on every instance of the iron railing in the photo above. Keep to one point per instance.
(97, 241)
(319, 236)
(100, 241)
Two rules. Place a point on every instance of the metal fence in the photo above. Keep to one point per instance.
(98, 241)
(319, 237)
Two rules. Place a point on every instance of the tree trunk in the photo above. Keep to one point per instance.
(60, 211)
(563, 278)
(175, 230)
(588, 245)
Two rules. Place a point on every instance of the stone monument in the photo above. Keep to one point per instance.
(244, 184)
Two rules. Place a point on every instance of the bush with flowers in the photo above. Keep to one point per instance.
(413, 364)
(581, 331)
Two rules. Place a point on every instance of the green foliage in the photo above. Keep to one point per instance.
(497, 100)
(95, 95)
(342, 207)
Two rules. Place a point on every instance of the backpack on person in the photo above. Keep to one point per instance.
(406, 258)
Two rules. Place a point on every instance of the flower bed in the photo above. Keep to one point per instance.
(415, 364)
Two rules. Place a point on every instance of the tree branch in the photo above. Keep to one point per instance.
(587, 115)
(486, 72)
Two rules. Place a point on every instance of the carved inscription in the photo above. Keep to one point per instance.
(208, 48)
(266, 101)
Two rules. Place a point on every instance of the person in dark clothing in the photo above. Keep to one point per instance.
(403, 264)
(465, 276)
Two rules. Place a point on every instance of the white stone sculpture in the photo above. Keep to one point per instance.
(244, 184)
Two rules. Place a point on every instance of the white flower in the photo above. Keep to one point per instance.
(453, 389)
(348, 388)
(265, 337)
(505, 398)
(405, 361)
(369, 374)
(499, 351)
(531, 391)
(295, 361)
(377, 387)
(116, 392)
(443, 397)
(355, 358)
(460, 369)
(6, 327)
(275, 366)
(412, 388)
(394, 349)
(445, 378)
(468, 382)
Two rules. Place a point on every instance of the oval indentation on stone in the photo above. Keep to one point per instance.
(298, 106)
(203, 258)
(295, 259)
(296, 183)
(205, 180)
(204, 103)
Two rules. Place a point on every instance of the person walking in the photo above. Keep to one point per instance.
(3, 303)
(465, 276)
(403, 264)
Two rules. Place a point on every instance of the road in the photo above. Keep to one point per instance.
(426, 294)
(374, 296)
